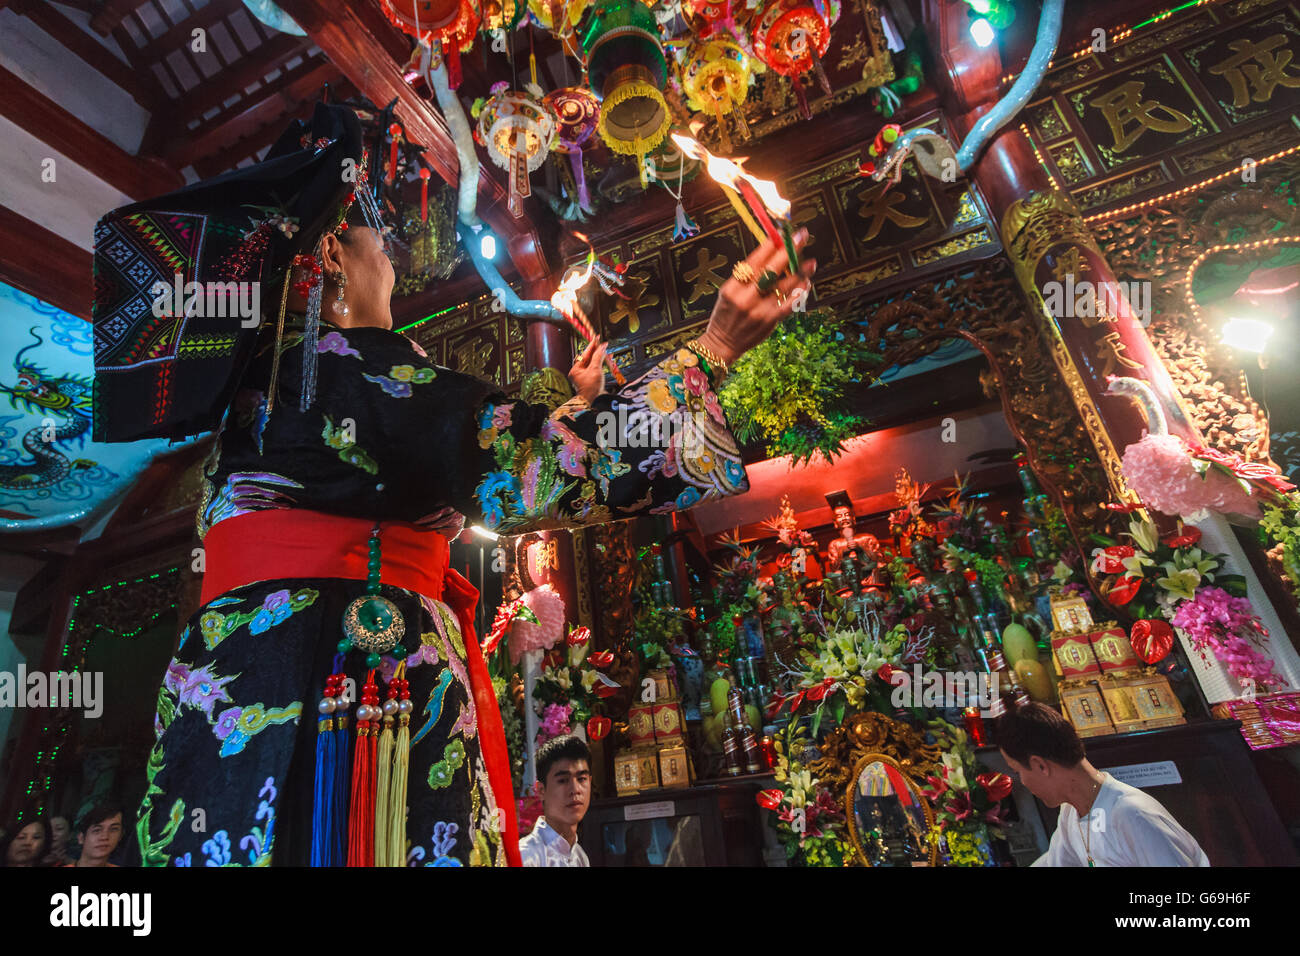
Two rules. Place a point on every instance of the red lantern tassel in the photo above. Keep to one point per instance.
(393, 131)
(361, 819)
(424, 195)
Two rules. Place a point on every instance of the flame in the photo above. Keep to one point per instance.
(729, 173)
(566, 296)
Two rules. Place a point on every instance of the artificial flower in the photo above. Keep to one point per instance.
(953, 771)
(996, 785)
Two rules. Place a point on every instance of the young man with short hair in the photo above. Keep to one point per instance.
(564, 770)
(1103, 822)
(99, 832)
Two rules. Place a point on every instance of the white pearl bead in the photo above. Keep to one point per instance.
(390, 708)
(327, 705)
(363, 712)
(405, 707)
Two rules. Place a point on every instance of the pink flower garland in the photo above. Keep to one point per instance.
(1217, 620)
(555, 722)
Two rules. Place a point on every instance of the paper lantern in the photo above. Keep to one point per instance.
(577, 113)
(626, 68)
(715, 78)
(451, 23)
(791, 37)
(518, 128)
(668, 164)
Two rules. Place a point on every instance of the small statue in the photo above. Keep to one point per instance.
(865, 546)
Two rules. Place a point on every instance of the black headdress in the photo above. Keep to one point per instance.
(166, 365)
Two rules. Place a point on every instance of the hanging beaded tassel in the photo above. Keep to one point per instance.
(310, 338)
(383, 771)
(329, 807)
(361, 815)
(401, 769)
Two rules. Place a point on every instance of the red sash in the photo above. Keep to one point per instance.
(294, 543)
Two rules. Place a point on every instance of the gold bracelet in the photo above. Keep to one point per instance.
(708, 355)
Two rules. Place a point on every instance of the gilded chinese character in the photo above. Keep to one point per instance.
(1129, 116)
(1114, 356)
(878, 206)
(1264, 75)
(704, 274)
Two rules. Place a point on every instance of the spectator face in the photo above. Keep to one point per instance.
(100, 840)
(567, 792)
(27, 847)
(62, 831)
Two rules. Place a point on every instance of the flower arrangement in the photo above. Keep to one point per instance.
(791, 389)
(965, 802)
(514, 729)
(1173, 578)
(809, 820)
(571, 685)
(1228, 626)
(1279, 528)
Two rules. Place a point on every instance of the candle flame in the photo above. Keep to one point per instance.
(566, 296)
(729, 173)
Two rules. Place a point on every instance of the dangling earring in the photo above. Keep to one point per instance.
(339, 306)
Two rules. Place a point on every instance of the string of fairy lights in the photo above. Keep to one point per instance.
(46, 759)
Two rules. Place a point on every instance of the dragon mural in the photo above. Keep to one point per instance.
(63, 403)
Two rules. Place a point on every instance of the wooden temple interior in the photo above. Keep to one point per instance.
(1132, 152)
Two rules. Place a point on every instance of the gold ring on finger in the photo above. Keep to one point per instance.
(780, 297)
(743, 273)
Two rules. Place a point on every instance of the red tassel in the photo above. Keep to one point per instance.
(801, 97)
(452, 49)
(361, 818)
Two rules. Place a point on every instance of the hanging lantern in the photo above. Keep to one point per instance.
(716, 81)
(566, 13)
(706, 16)
(451, 23)
(503, 14)
(791, 37)
(627, 69)
(668, 164)
(578, 113)
(518, 128)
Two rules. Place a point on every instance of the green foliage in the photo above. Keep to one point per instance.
(790, 389)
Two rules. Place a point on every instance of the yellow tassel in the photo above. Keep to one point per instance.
(383, 761)
(396, 812)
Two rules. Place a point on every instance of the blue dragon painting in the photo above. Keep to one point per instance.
(64, 405)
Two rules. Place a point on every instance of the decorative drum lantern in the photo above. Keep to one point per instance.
(715, 78)
(518, 129)
(451, 23)
(791, 37)
(578, 113)
(627, 69)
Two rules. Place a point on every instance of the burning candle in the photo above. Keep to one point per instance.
(424, 194)
(761, 194)
(565, 299)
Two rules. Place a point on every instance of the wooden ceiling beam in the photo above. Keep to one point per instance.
(243, 74)
(267, 107)
(354, 36)
(111, 13)
(29, 108)
(48, 18)
(182, 33)
(44, 264)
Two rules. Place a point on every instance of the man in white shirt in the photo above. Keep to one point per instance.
(564, 769)
(1103, 822)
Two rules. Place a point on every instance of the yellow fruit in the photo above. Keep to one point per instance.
(718, 695)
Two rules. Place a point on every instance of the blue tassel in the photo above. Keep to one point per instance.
(323, 804)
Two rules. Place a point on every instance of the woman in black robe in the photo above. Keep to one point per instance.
(394, 446)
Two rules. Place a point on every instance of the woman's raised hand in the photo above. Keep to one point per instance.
(587, 375)
(744, 315)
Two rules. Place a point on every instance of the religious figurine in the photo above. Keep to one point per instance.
(865, 546)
